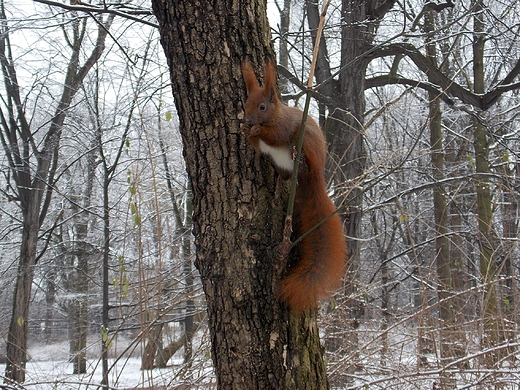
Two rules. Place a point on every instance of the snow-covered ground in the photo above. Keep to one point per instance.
(50, 369)
(125, 374)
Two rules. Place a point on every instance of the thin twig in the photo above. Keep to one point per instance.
(286, 244)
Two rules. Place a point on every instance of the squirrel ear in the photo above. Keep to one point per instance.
(249, 77)
(270, 81)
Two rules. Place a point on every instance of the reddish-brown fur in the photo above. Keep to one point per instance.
(321, 254)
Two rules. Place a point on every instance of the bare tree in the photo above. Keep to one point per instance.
(33, 160)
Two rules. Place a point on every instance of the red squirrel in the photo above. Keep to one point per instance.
(273, 128)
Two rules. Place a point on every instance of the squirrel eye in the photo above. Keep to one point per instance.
(262, 107)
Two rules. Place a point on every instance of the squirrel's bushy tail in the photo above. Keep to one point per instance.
(322, 254)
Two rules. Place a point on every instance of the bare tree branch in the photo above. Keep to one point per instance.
(89, 8)
(380, 81)
(445, 83)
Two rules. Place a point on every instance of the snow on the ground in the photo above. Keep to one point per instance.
(49, 368)
(125, 373)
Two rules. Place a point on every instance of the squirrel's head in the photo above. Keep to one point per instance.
(262, 102)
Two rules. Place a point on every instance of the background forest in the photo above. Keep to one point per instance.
(97, 256)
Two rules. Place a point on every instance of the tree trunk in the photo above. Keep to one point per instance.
(345, 134)
(238, 210)
(510, 208)
(50, 301)
(283, 48)
(451, 334)
(167, 352)
(78, 308)
(183, 232)
(16, 353)
(493, 333)
(187, 269)
(344, 131)
(105, 338)
(151, 347)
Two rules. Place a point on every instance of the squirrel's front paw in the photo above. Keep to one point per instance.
(254, 131)
(245, 128)
(250, 131)
(303, 161)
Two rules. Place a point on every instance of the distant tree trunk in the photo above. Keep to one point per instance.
(183, 228)
(451, 334)
(109, 170)
(151, 347)
(385, 312)
(237, 209)
(345, 134)
(50, 300)
(78, 308)
(344, 131)
(283, 48)
(510, 223)
(167, 352)
(17, 337)
(105, 267)
(493, 333)
(187, 269)
(78, 318)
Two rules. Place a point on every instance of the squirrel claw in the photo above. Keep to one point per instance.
(250, 131)
(282, 250)
(254, 131)
(303, 161)
(245, 128)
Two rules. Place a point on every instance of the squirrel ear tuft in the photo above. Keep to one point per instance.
(270, 81)
(249, 77)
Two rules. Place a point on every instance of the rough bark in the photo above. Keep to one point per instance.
(238, 205)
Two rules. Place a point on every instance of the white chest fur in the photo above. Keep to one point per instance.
(281, 155)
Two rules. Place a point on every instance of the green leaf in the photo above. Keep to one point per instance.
(168, 116)
(104, 334)
(105, 338)
(124, 294)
